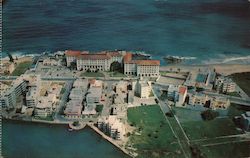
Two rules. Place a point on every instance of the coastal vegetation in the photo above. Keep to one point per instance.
(153, 136)
(243, 80)
(21, 68)
(99, 108)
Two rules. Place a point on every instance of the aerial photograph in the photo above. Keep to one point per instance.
(125, 79)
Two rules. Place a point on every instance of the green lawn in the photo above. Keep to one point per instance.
(153, 136)
(92, 74)
(229, 150)
(21, 68)
(209, 129)
(243, 80)
(185, 115)
(116, 74)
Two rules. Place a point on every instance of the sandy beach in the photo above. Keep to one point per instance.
(20, 59)
(224, 69)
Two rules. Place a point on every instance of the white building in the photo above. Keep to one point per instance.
(94, 95)
(76, 94)
(93, 61)
(141, 68)
(31, 96)
(113, 126)
(17, 88)
(225, 85)
(182, 94)
(143, 89)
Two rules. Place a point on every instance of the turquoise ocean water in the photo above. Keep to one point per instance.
(212, 31)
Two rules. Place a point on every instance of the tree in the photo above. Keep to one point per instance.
(209, 114)
(73, 65)
(116, 66)
(10, 57)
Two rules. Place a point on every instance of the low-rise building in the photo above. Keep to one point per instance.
(44, 106)
(200, 99)
(245, 121)
(225, 85)
(219, 102)
(50, 62)
(73, 109)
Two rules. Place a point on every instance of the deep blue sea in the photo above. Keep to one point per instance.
(210, 30)
(34, 140)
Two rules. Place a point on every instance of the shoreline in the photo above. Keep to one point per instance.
(224, 69)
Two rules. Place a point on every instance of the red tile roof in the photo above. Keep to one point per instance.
(94, 56)
(182, 89)
(111, 53)
(127, 58)
(75, 52)
(147, 62)
(72, 53)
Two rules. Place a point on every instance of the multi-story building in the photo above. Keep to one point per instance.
(182, 91)
(44, 107)
(200, 99)
(18, 87)
(143, 89)
(31, 96)
(141, 68)
(92, 62)
(102, 61)
(112, 126)
(73, 109)
(225, 85)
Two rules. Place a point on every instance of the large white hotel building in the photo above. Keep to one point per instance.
(102, 61)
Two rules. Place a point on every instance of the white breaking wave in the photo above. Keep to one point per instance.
(230, 60)
(236, 58)
(185, 57)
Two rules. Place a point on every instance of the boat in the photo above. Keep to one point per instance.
(70, 129)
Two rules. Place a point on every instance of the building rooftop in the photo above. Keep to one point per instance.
(182, 90)
(73, 52)
(147, 62)
(94, 56)
(73, 107)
